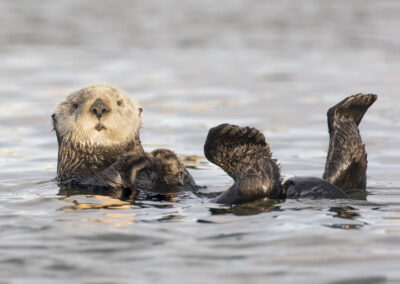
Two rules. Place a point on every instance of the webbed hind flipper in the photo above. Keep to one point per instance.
(346, 163)
(353, 108)
(243, 154)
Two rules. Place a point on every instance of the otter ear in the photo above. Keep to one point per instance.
(140, 110)
(53, 117)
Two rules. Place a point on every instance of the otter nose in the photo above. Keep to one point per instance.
(99, 108)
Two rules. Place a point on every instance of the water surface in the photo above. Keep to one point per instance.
(274, 65)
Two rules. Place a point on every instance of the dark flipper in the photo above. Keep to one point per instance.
(245, 156)
(346, 163)
(312, 188)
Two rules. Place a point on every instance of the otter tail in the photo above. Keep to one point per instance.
(346, 163)
(244, 155)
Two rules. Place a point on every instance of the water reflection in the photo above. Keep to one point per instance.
(122, 194)
(84, 198)
(346, 212)
(358, 195)
(250, 208)
(170, 218)
(121, 198)
(95, 202)
(346, 226)
(99, 198)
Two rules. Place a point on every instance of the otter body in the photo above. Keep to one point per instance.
(99, 145)
(97, 129)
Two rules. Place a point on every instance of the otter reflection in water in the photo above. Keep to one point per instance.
(100, 150)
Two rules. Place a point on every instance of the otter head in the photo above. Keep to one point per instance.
(98, 115)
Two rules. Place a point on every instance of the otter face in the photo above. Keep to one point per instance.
(97, 115)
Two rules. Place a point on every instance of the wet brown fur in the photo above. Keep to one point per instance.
(346, 162)
(244, 155)
(117, 163)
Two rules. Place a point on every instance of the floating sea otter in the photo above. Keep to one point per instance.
(99, 147)
(97, 129)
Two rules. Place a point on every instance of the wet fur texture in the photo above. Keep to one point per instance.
(346, 163)
(244, 155)
(105, 150)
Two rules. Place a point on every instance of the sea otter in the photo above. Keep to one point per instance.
(99, 145)
(97, 129)
(243, 154)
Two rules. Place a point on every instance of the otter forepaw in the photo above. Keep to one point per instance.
(128, 165)
(166, 162)
(169, 168)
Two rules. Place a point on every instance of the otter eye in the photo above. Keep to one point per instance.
(120, 102)
(75, 105)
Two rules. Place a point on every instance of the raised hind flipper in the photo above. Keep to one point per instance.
(346, 163)
(245, 156)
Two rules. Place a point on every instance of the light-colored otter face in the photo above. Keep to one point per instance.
(98, 115)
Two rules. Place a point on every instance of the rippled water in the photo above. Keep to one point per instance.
(194, 64)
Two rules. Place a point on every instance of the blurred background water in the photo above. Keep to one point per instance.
(275, 65)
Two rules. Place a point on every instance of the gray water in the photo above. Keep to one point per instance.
(275, 65)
